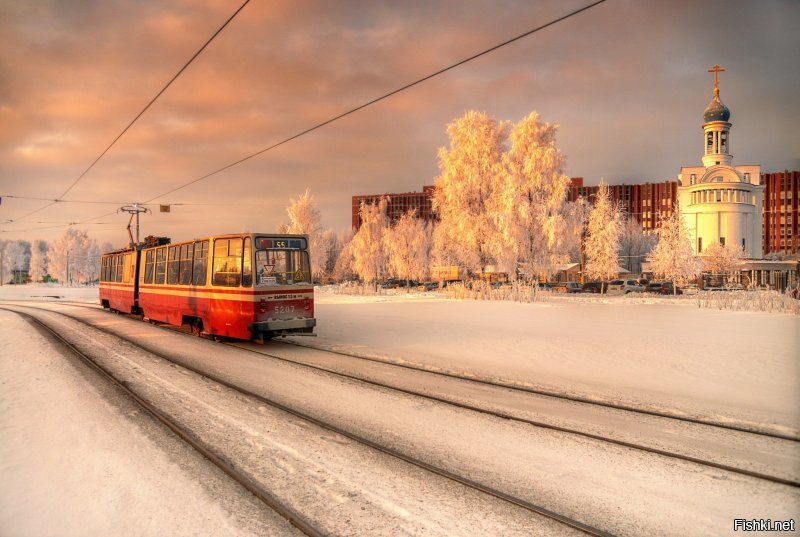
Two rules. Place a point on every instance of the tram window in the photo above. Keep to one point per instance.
(247, 267)
(227, 262)
(161, 265)
(187, 251)
(200, 263)
(172, 265)
(103, 269)
(282, 267)
(149, 260)
(118, 269)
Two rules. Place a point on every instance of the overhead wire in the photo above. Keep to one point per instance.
(369, 103)
(352, 110)
(149, 104)
(379, 99)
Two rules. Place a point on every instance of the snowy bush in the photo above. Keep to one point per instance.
(516, 292)
(768, 301)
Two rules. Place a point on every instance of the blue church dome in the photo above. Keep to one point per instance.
(716, 111)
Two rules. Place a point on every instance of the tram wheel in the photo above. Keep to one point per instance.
(197, 327)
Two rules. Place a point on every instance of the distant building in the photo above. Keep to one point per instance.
(398, 205)
(648, 203)
(780, 227)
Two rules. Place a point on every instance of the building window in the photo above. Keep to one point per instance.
(722, 241)
(699, 244)
(743, 243)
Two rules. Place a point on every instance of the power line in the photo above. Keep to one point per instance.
(378, 99)
(216, 204)
(369, 103)
(149, 104)
(344, 114)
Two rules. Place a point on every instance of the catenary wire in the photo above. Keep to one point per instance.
(149, 104)
(365, 105)
(379, 99)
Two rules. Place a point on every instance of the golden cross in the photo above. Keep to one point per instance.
(716, 70)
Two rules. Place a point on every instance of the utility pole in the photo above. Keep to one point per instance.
(67, 278)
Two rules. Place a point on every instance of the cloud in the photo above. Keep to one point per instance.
(625, 81)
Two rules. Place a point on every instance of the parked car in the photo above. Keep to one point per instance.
(592, 287)
(662, 288)
(623, 287)
(567, 287)
(690, 289)
(428, 286)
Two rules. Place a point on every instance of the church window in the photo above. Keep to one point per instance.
(692, 179)
(722, 241)
(699, 244)
(743, 243)
(719, 195)
(747, 177)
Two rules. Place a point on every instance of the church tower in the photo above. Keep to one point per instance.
(720, 202)
(716, 128)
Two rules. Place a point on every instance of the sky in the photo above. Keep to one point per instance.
(626, 81)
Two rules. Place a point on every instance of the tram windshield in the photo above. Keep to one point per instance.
(279, 264)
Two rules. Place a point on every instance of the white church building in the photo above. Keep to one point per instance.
(721, 202)
(725, 203)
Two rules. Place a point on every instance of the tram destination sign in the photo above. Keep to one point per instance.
(280, 243)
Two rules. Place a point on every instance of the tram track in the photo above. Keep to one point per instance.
(297, 519)
(267, 498)
(556, 395)
(511, 386)
(445, 399)
(532, 422)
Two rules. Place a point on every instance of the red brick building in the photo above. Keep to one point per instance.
(780, 226)
(398, 205)
(647, 202)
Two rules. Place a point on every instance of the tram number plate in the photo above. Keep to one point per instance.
(284, 309)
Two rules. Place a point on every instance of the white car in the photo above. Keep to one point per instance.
(623, 287)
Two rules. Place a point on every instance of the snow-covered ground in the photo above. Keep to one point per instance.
(654, 352)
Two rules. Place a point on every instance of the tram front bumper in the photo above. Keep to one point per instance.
(282, 326)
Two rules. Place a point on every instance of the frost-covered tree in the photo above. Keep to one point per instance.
(634, 244)
(330, 252)
(602, 237)
(408, 245)
(343, 269)
(527, 202)
(722, 260)
(469, 172)
(38, 265)
(304, 218)
(73, 257)
(367, 247)
(15, 258)
(575, 215)
(673, 258)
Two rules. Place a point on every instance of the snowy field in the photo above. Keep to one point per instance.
(652, 352)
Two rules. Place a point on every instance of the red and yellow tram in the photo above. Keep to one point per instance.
(244, 286)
